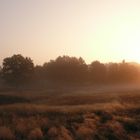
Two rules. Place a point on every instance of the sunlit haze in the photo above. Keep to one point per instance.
(104, 30)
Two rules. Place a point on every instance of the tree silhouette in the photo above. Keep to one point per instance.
(66, 68)
(97, 72)
(113, 72)
(17, 69)
(127, 72)
(0, 71)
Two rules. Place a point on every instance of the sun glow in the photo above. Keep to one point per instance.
(128, 42)
(95, 30)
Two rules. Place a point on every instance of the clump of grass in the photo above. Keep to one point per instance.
(104, 116)
(86, 129)
(84, 133)
(6, 133)
(59, 133)
(105, 133)
(35, 134)
(25, 124)
(21, 130)
(117, 129)
(44, 123)
(78, 118)
(131, 126)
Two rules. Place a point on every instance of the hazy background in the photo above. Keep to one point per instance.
(104, 30)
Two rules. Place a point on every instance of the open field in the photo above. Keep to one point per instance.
(71, 113)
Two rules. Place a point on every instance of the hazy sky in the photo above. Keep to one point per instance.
(105, 30)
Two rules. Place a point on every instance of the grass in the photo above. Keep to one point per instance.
(70, 114)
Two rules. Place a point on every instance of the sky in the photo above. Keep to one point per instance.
(104, 30)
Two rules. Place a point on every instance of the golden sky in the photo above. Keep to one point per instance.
(104, 30)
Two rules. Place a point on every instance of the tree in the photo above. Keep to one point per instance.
(65, 68)
(113, 72)
(17, 69)
(97, 72)
(128, 72)
(0, 71)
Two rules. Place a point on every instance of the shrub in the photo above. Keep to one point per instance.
(117, 129)
(104, 116)
(105, 133)
(53, 132)
(131, 126)
(21, 129)
(91, 123)
(84, 133)
(35, 134)
(59, 133)
(6, 133)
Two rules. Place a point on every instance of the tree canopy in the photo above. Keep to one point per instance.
(66, 68)
(17, 69)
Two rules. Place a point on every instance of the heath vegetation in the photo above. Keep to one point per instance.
(66, 99)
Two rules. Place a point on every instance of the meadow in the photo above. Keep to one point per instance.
(70, 113)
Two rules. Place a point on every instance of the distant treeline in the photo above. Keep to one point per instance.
(18, 70)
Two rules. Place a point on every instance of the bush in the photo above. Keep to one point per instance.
(104, 116)
(84, 133)
(6, 133)
(131, 126)
(35, 134)
(59, 133)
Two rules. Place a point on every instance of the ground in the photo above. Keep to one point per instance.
(71, 113)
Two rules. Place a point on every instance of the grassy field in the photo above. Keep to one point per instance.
(71, 113)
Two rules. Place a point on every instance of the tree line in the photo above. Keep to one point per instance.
(18, 70)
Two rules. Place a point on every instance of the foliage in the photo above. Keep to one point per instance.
(31, 126)
(17, 69)
(97, 72)
(66, 69)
